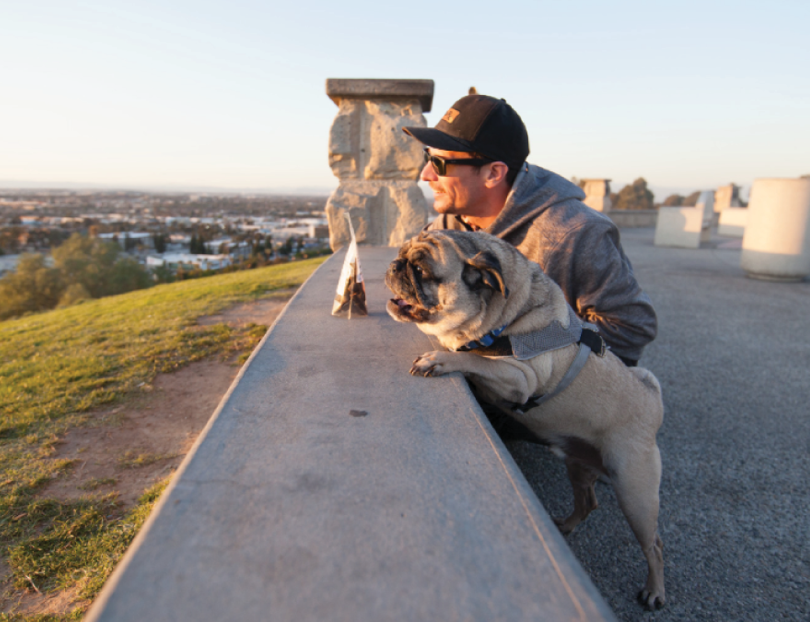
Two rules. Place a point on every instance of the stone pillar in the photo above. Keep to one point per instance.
(776, 243)
(726, 196)
(377, 164)
(705, 204)
(597, 194)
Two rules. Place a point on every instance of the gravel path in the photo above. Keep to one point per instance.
(733, 358)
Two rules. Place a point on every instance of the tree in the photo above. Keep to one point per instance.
(74, 294)
(89, 261)
(673, 200)
(127, 275)
(163, 273)
(34, 286)
(129, 243)
(634, 196)
(98, 267)
(692, 199)
(159, 240)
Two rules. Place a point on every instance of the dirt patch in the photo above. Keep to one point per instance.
(264, 311)
(37, 604)
(128, 448)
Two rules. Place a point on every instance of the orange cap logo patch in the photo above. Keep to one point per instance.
(450, 115)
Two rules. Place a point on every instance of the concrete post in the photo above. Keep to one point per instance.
(776, 244)
(377, 164)
(597, 194)
(705, 204)
(726, 197)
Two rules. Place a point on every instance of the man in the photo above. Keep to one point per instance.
(475, 163)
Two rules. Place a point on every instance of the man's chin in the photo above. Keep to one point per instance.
(442, 206)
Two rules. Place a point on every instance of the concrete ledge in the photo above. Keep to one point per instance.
(680, 227)
(348, 88)
(624, 218)
(332, 485)
(732, 222)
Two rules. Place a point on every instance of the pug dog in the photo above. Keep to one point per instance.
(472, 289)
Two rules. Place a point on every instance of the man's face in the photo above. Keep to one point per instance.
(461, 191)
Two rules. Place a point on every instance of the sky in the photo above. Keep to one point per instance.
(231, 95)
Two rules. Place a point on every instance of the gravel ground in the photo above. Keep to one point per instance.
(732, 356)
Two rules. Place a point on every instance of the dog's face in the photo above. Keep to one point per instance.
(444, 281)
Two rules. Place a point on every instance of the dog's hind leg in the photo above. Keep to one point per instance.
(582, 479)
(637, 492)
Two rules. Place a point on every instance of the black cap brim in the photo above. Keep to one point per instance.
(437, 139)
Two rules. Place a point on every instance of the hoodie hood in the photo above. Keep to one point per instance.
(535, 190)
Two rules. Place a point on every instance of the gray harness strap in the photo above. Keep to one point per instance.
(572, 372)
(552, 337)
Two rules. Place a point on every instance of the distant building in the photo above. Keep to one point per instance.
(320, 232)
(188, 261)
(139, 237)
(8, 263)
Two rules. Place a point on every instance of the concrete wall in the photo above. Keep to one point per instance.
(634, 217)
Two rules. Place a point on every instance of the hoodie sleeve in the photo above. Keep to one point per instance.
(598, 281)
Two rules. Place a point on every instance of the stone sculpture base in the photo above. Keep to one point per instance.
(776, 243)
(382, 212)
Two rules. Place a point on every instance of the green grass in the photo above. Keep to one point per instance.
(58, 365)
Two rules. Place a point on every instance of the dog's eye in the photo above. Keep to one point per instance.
(417, 269)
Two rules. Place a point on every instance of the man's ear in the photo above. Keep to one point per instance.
(496, 173)
(486, 268)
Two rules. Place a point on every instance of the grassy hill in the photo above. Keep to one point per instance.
(58, 365)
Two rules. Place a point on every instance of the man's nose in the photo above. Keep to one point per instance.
(428, 173)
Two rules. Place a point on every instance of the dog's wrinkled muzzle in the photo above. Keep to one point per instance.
(404, 307)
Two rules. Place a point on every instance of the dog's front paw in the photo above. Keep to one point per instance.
(429, 364)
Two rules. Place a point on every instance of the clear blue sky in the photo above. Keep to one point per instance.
(231, 94)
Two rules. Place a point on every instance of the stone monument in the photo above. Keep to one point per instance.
(776, 243)
(597, 194)
(685, 227)
(726, 197)
(377, 164)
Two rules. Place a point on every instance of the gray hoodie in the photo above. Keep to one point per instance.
(579, 248)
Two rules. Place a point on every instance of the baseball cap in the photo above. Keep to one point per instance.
(482, 124)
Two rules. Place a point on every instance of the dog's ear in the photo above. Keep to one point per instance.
(485, 269)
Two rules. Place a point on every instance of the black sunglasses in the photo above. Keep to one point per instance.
(440, 164)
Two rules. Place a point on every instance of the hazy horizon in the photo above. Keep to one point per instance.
(660, 193)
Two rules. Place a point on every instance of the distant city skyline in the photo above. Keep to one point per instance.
(190, 96)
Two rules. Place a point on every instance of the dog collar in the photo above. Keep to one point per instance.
(488, 341)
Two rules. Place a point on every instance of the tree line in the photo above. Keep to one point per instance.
(83, 268)
(638, 196)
